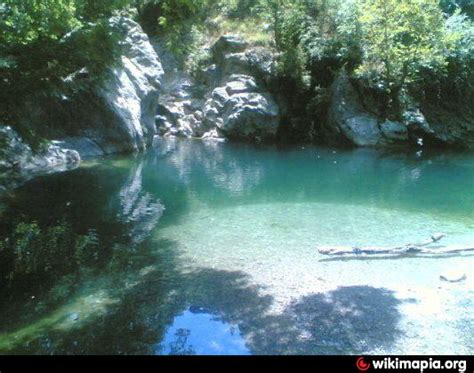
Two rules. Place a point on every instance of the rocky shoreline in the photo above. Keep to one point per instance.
(148, 97)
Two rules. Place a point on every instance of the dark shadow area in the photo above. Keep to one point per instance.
(348, 320)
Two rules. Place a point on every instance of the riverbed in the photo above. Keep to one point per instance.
(211, 248)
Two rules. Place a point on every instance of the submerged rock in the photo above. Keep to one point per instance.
(75, 316)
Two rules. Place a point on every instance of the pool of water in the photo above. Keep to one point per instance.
(209, 248)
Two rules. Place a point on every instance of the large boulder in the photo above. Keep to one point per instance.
(131, 91)
(439, 127)
(118, 114)
(350, 122)
(242, 110)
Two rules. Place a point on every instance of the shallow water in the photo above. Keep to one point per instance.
(205, 248)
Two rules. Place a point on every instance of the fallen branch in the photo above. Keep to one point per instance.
(421, 248)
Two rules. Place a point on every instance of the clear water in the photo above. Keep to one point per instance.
(205, 248)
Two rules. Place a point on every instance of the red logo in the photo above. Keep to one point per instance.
(362, 365)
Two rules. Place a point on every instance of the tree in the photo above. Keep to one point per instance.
(25, 21)
(399, 37)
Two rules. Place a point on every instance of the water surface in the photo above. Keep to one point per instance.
(206, 248)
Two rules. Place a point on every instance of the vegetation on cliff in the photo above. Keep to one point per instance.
(397, 49)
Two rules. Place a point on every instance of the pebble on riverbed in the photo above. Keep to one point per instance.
(74, 316)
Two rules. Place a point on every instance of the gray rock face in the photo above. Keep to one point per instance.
(118, 115)
(241, 110)
(85, 146)
(131, 92)
(443, 129)
(257, 62)
(348, 120)
(235, 104)
(19, 163)
(394, 131)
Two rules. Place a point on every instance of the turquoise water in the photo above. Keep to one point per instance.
(210, 248)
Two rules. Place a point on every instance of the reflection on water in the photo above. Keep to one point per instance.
(108, 258)
(197, 332)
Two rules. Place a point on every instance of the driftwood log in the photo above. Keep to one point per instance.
(413, 249)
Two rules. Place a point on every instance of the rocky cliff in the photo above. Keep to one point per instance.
(231, 101)
(355, 121)
(116, 115)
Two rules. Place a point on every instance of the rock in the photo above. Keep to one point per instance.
(208, 76)
(19, 163)
(453, 276)
(394, 131)
(240, 84)
(75, 316)
(361, 130)
(230, 103)
(227, 44)
(350, 121)
(438, 127)
(213, 135)
(117, 114)
(131, 91)
(14, 153)
(86, 147)
(257, 62)
(347, 119)
(242, 110)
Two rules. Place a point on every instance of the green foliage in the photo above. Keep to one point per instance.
(25, 21)
(31, 251)
(240, 9)
(289, 20)
(399, 38)
(456, 86)
(179, 21)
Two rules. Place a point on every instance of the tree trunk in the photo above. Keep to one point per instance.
(410, 249)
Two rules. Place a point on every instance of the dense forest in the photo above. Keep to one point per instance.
(397, 49)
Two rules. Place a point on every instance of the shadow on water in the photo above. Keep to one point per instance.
(155, 298)
(65, 232)
(348, 320)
